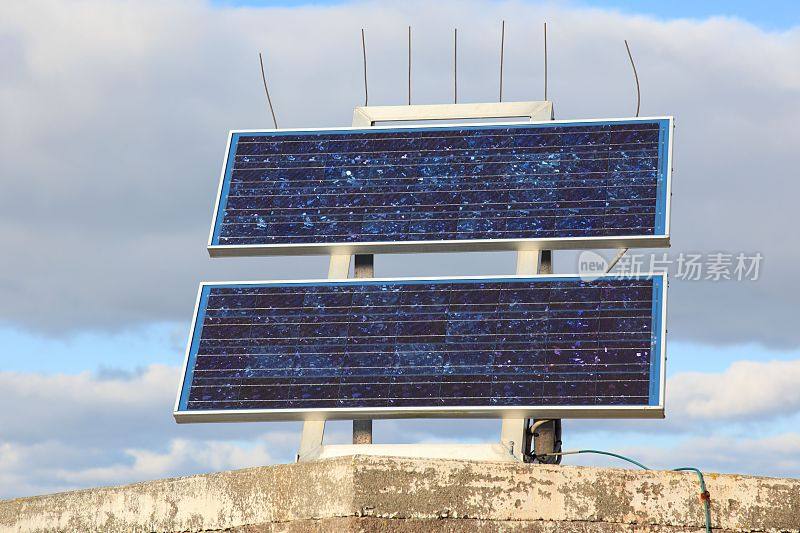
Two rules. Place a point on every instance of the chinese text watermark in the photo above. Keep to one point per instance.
(716, 266)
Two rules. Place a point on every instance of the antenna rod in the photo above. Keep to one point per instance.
(409, 65)
(455, 65)
(266, 90)
(545, 61)
(635, 77)
(502, 43)
(364, 52)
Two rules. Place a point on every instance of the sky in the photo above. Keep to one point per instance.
(115, 116)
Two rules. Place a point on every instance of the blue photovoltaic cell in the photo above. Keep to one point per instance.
(485, 182)
(449, 344)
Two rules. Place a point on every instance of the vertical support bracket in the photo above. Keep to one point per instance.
(513, 436)
(339, 266)
(522, 436)
(314, 430)
(310, 439)
(363, 267)
(514, 430)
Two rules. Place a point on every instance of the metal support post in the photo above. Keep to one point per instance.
(545, 434)
(514, 431)
(364, 267)
(314, 430)
(537, 436)
(311, 438)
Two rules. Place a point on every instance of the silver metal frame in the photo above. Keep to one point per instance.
(467, 245)
(375, 113)
(369, 115)
(513, 430)
(252, 415)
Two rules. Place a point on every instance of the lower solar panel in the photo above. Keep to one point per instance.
(536, 346)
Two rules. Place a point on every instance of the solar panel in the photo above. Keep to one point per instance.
(556, 184)
(539, 346)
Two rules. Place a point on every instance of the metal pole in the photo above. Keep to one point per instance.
(547, 435)
(455, 65)
(364, 53)
(266, 90)
(409, 65)
(313, 434)
(513, 429)
(364, 268)
(502, 48)
(635, 77)
(545, 61)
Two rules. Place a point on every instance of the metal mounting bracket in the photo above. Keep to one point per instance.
(514, 433)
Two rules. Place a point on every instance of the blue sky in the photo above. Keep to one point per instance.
(770, 15)
(106, 226)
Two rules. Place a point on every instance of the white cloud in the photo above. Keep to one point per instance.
(114, 118)
(747, 389)
(67, 431)
(747, 393)
(38, 406)
(181, 456)
(772, 455)
(51, 466)
(115, 114)
(81, 430)
(109, 410)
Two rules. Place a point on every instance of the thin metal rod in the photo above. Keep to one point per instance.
(545, 61)
(266, 90)
(502, 47)
(364, 52)
(616, 259)
(635, 77)
(409, 65)
(455, 65)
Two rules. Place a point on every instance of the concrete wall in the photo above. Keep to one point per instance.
(361, 493)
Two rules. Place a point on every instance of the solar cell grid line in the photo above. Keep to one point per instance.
(531, 185)
(546, 345)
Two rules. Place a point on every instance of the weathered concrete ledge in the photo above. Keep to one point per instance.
(362, 493)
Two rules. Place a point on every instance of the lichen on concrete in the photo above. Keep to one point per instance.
(369, 493)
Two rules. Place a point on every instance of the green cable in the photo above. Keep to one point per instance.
(618, 456)
(703, 494)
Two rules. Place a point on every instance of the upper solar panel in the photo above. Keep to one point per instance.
(558, 184)
(540, 346)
